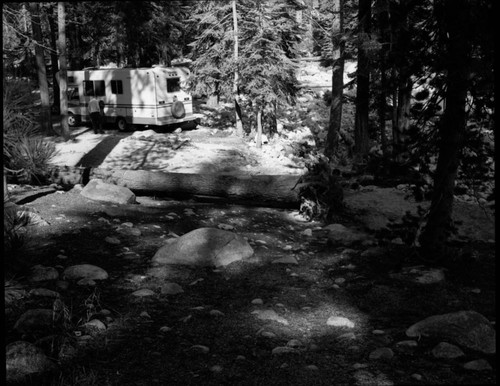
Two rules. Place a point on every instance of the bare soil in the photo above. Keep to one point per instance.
(133, 350)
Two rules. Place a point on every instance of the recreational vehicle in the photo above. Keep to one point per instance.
(142, 96)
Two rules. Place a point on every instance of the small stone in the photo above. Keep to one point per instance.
(284, 366)
(144, 314)
(143, 293)
(270, 315)
(397, 241)
(43, 292)
(295, 343)
(225, 227)
(257, 301)
(95, 325)
(378, 332)
(445, 350)
(287, 248)
(86, 282)
(62, 257)
(171, 289)
(62, 285)
(216, 369)
(358, 366)
(241, 358)
(216, 313)
(313, 347)
(268, 334)
(93, 272)
(347, 336)
(335, 286)
(280, 305)
(476, 290)
(340, 280)
(383, 353)
(407, 344)
(283, 350)
(339, 321)
(128, 224)
(286, 260)
(165, 329)
(417, 377)
(112, 240)
(199, 349)
(41, 273)
(312, 367)
(478, 365)
(307, 232)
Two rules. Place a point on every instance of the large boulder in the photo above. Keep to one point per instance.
(23, 360)
(465, 328)
(205, 247)
(102, 191)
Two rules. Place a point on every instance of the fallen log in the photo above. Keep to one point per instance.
(266, 190)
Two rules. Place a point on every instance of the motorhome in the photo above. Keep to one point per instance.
(153, 96)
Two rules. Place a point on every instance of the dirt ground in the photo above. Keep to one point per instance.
(215, 309)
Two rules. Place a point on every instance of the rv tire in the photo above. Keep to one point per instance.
(121, 124)
(72, 120)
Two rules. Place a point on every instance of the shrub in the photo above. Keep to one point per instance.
(24, 151)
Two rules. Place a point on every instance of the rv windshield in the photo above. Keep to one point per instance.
(173, 84)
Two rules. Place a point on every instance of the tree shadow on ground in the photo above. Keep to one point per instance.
(133, 350)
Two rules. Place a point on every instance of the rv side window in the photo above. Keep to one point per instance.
(92, 87)
(173, 84)
(116, 87)
(73, 94)
(71, 79)
(99, 88)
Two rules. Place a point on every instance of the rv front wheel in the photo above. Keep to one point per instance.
(121, 124)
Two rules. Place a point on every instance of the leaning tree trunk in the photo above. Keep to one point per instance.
(63, 78)
(456, 19)
(45, 116)
(334, 123)
(237, 109)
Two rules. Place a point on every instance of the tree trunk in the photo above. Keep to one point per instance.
(401, 79)
(382, 102)
(45, 114)
(334, 123)
(237, 109)
(53, 56)
(63, 73)
(258, 137)
(403, 118)
(456, 19)
(361, 137)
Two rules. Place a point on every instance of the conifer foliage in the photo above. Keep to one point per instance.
(268, 37)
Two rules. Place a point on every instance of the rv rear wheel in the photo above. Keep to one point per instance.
(72, 120)
(121, 124)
